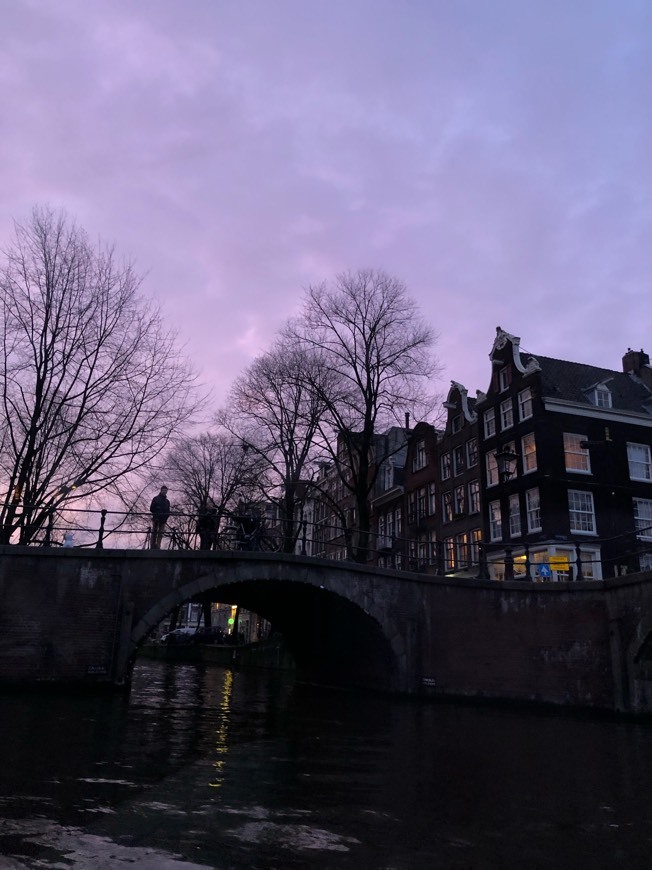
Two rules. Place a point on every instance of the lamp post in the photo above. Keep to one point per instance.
(506, 462)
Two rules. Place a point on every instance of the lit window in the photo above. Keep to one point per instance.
(525, 404)
(575, 456)
(445, 466)
(529, 453)
(476, 540)
(492, 469)
(474, 496)
(506, 414)
(643, 517)
(514, 516)
(489, 423)
(495, 521)
(458, 460)
(504, 378)
(580, 510)
(449, 554)
(472, 452)
(640, 464)
(462, 550)
(533, 510)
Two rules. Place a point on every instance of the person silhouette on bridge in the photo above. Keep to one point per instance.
(160, 511)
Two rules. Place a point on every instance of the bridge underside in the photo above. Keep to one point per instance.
(333, 642)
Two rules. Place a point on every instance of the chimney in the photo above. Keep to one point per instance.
(637, 362)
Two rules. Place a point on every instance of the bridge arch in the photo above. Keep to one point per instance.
(333, 640)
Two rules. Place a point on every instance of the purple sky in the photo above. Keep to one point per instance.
(496, 155)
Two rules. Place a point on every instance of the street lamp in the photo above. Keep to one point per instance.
(506, 462)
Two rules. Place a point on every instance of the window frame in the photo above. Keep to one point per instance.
(645, 463)
(514, 515)
(506, 414)
(533, 509)
(643, 524)
(574, 449)
(489, 422)
(576, 511)
(525, 409)
(526, 455)
(495, 521)
(472, 454)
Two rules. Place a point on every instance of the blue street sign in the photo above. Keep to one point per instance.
(544, 571)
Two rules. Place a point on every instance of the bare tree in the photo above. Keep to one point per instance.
(211, 472)
(365, 331)
(278, 410)
(92, 384)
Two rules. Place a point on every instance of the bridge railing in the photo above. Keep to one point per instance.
(97, 528)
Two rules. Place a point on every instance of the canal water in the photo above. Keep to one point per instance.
(205, 767)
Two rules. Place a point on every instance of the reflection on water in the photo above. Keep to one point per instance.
(214, 768)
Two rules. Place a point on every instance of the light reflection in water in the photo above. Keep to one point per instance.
(222, 732)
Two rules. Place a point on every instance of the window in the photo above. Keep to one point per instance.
(398, 520)
(601, 397)
(449, 554)
(533, 510)
(525, 404)
(381, 526)
(460, 500)
(476, 540)
(580, 510)
(504, 378)
(432, 499)
(447, 505)
(458, 460)
(422, 503)
(462, 550)
(445, 466)
(420, 460)
(495, 521)
(474, 496)
(472, 452)
(506, 414)
(640, 465)
(457, 423)
(389, 525)
(489, 423)
(388, 475)
(645, 562)
(643, 517)
(412, 508)
(576, 457)
(514, 516)
(492, 469)
(529, 453)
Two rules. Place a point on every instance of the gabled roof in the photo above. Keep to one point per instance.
(574, 382)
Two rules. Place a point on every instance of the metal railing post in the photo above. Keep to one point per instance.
(100, 539)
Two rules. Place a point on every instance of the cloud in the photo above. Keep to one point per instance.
(495, 156)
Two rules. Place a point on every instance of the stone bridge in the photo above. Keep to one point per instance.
(78, 617)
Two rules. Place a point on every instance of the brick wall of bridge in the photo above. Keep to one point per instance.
(77, 616)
